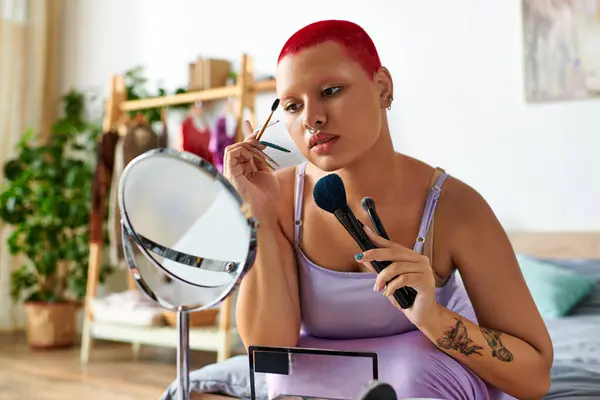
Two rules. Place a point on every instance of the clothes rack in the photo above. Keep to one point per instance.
(214, 338)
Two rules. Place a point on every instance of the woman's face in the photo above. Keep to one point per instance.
(322, 83)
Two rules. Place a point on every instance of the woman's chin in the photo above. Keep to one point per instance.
(330, 162)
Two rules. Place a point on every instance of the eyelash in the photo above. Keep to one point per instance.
(338, 89)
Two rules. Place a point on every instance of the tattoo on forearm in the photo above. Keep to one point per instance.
(492, 337)
(457, 338)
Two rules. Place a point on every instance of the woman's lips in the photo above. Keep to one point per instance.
(320, 136)
(325, 145)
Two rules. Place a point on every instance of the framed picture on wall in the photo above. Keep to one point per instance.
(561, 46)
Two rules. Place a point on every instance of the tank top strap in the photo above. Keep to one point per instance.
(298, 196)
(439, 177)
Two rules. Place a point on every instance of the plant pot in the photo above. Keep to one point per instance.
(51, 325)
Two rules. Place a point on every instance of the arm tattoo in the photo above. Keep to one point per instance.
(456, 338)
(492, 336)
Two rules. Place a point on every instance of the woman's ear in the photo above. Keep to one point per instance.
(385, 85)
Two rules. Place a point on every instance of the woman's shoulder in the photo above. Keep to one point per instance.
(459, 204)
(464, 200)
(462, 208)
(457, 195)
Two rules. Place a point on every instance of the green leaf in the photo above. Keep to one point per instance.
(14, 242)
(21, 280)
(25, 139)
(13, 169)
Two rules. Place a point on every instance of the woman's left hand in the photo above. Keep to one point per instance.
(408, 268)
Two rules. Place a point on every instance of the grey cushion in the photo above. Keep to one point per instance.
(230, 377)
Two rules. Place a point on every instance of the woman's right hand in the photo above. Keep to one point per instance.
(245, 167)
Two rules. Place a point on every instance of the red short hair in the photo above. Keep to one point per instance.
(350, 36)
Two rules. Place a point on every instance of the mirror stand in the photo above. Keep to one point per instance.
(183, 354)
(200, 236)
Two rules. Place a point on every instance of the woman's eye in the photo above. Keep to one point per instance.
(291, 108)
(331, 91)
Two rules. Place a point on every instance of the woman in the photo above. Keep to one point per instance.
(311, 286)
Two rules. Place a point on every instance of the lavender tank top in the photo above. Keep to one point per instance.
(343, 305)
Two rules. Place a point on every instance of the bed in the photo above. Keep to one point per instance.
(565, 264)
(575, 336)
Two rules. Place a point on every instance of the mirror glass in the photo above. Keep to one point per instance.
(189, 240)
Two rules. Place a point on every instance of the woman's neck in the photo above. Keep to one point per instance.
(370, 174)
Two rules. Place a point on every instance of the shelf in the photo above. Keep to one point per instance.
(265, 86)
(183, 98)
(205, 338)
(191, 97)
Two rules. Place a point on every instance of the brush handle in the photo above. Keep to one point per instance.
(405, 296)
(262, 130)
(377, 224)
(274, 146)
(258, 158)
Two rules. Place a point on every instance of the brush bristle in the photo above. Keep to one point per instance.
(275, 105)
(329, 193)
(367, 204)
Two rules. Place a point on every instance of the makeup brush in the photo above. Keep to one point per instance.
(262, 156)
(368, 204)
(273, 108)
(270, 125)
(274, 146)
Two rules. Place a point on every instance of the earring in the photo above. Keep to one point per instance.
(390, 99)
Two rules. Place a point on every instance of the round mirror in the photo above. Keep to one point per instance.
(188, 237)
(190, 226)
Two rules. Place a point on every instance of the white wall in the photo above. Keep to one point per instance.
(457, 67)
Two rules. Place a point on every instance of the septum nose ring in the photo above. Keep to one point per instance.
(314, 130)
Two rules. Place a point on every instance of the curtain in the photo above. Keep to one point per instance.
(30, 38)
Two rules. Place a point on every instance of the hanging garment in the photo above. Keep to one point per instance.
(137, 140)
(223, 136)
(163, 137)
(105, 159)
(195, 138)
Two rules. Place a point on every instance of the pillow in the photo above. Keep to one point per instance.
(230, 377)
(590, 268)
(555, 290)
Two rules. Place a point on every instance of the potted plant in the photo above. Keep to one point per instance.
(46, 198)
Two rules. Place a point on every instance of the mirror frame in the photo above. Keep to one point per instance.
(130, 238)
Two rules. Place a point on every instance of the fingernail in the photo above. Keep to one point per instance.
(367, 229)
(375, 288)
(358, 256)
(385, 292)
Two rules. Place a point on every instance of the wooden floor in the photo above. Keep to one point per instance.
(111, 373)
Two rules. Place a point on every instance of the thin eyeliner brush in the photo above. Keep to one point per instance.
(262, 130)
(260, 133)
(368, 204)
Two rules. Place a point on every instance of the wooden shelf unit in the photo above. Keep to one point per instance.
(213, 338)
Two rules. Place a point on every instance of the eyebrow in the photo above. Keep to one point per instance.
(327, 77)
(318, 82)
(285, 97)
